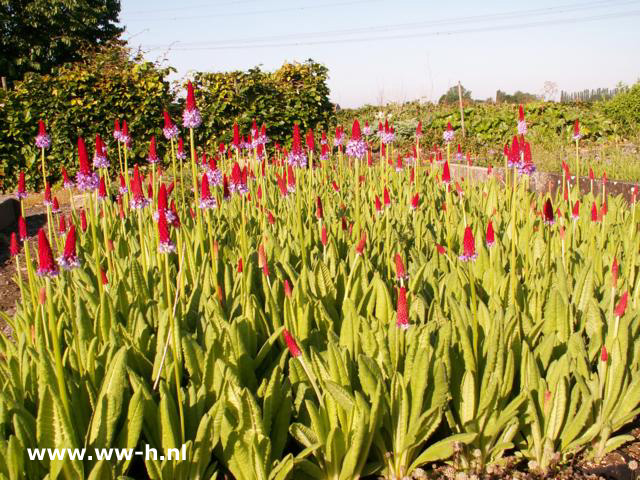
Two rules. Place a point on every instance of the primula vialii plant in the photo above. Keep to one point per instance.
(334, 308)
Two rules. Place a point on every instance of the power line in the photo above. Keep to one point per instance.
(183, 8)
(262, 12)
(426, 34)
(416, 25)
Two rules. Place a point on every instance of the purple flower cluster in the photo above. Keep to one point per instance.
(356, 148)
(337, 141)
(43, 141)
(166, 247)
(87, 181)
(448, 135)
(191, 118)
(170, 132)
(137, 203)
(387, 137)
(69, 262)
(100, 160)
(214, 176)
(208, 203)
(297, 159)
(522, 127)
(468, 257)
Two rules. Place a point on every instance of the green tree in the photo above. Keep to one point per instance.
(38, 35)
(451, 96)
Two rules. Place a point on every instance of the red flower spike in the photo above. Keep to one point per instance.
(103, 277)
(14, 247)
(401, 273)
(22, 190)
(46, 264)
(323, 236)
(469, 246)
(446, 174)
(614, 271)
(387, 197)
(521, 113)
(549, 216)
(604, 356)
(83, 158)
(594, 212)
(294, 350)
(62, 225)
(575, 212)
(622, 305)
(191, 98)
(102, 189)
(355, 131)
(287, 288)
(490, 236)
(576, 129)
(415, 201)
(83, 221)
(402, 310)
(239, 267)
(361, 243)
(310, 140)
(319, 210)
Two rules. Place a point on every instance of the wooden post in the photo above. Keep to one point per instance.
(461, 110)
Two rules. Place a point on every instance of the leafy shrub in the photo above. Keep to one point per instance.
(624, 109)
(83, 99)
(296, 92)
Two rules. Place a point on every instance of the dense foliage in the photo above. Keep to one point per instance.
(624, 109)
(39, 35)
(80, 99)
(280, 336)
(85, 98)
(296, 92)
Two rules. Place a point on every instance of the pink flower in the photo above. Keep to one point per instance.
(191, 116)
(401, 273)
(14, 247)
(294, 350)
(46, 264)
(469, 246)
(622, 305)
(69, 259)
(490, 237)
(402, 310)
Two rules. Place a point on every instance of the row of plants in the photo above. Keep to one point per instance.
(86, 97)
(257, 309)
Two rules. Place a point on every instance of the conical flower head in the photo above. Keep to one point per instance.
(102, 189)
(22, 189)
(402, 309)
(594, 212)
(446, 174)
(294, 350)
(191, 98)
(575, 211)
(415, 201)
(236, 135)
(162, 198)
(520, 113)
(419, 129)
(468, 246)
(362, 243)
(576, 130)
(355, 130)
(206, 200)
(83, 158)
(46, 264)
(549, 216)
(387, 197)
(191, 116)
(14, 247)
(490, 236)
(164, 239)
(22, 228)
(401, 273)
(69, 258)
(622, 305)
(42, 139)
(138, 199)
(319, 209)
(153, 154)
(615, 269)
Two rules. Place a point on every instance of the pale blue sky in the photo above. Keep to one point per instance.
(487, 45)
